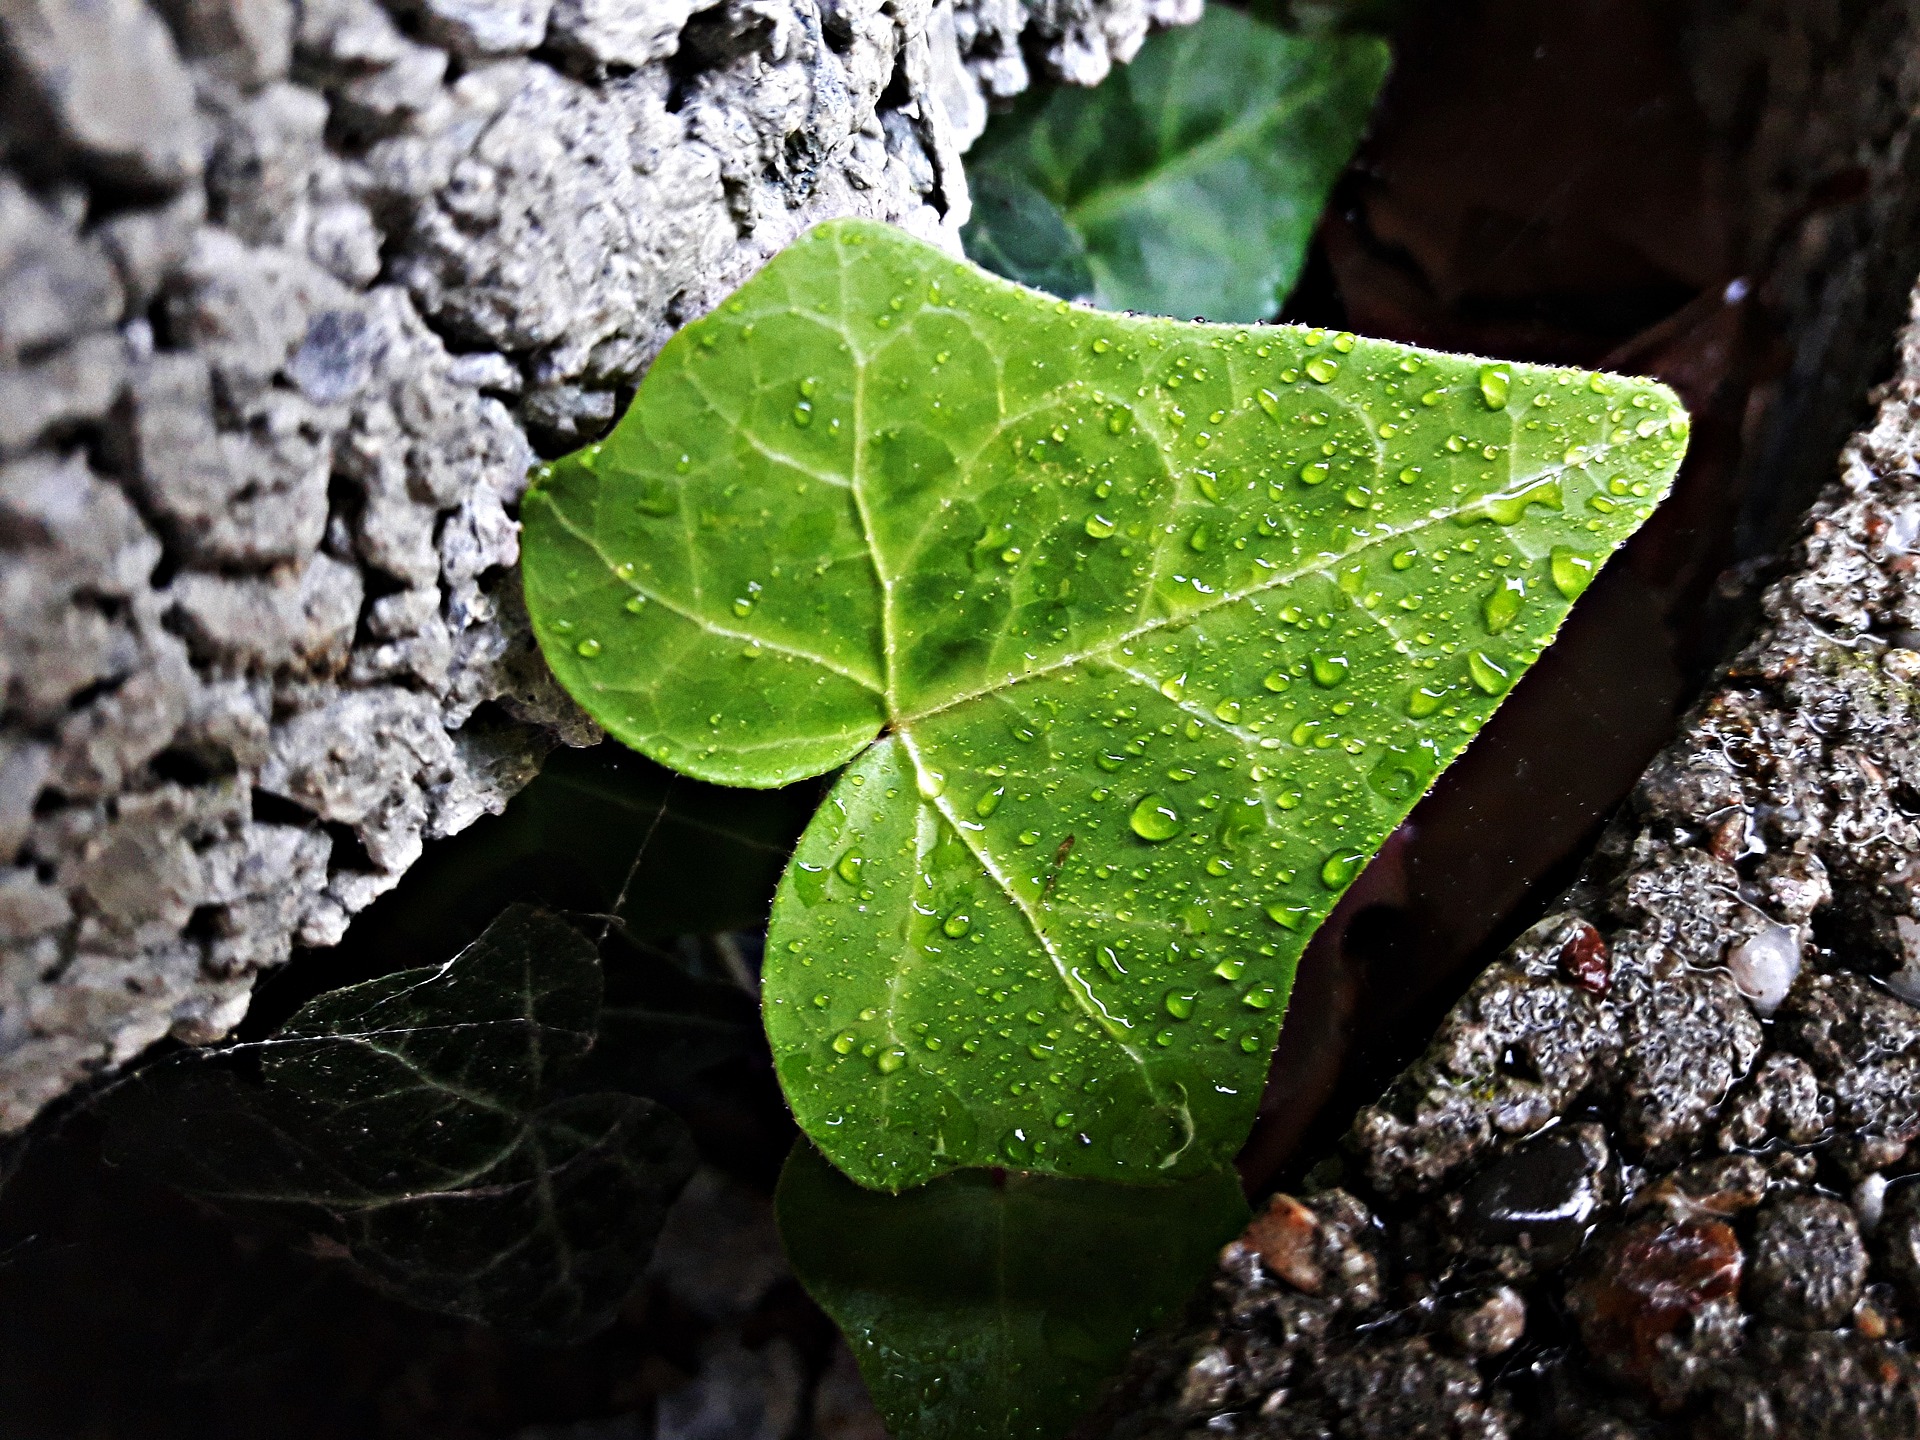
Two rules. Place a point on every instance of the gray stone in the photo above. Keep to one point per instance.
(1809, 1265)
(245, 42)
(629, 33)
(484, 27)
(103, 78)
(78, 382)
(53, 285)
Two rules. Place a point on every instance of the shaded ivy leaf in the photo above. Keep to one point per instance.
(1140, 637)
(421, 1121)
(1189, 181)
(992, 1305)
(1018, 232)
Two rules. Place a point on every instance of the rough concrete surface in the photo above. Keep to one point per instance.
(291, 294)
(1658, 1174)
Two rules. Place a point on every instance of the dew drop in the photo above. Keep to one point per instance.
(1503, 606)
(635, 604)
(844, 1042)
(1269, 402)
(1338, 869)
(1250, 1044)
(587, 649)
(1231, 968)
(1227, 711)
(1488, 674)
(1153, 819)
(1288, 917)
(1199, 539)
(989, 802)
(1404, 559)
(1572, 571)
(1494, 383)
(1329, 670)
(1323, 368)
(1260, 997)
(956, 925)
(1277, 680)
(848, 866)
(1180, 1003)
(1102, 345)
(1174, 688)
(1314, 474)
(1099, 526)
(803, 414)
(890, 1060)
(1424, 701)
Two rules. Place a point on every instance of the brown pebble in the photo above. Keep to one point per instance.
(1585, 960)
(1286, 1238)
(1727, 840)
(1646, 1281)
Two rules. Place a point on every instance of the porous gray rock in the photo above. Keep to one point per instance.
(292, 293)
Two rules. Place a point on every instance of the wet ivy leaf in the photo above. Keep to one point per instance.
(1188, 182)
(992, 1305)
(1140, 637)
(422, 1121)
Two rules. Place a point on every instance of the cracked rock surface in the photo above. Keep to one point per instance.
(1658, 1174)
(292, 292)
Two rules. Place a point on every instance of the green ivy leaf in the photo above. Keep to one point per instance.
(1140, 636)
(422, 1121)
(1189, 181)
(993, 1306)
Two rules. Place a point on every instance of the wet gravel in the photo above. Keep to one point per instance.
(1656, 1175)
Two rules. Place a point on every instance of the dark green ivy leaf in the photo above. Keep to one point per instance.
(1189, 182)
(422, 1121)
(989, 1306)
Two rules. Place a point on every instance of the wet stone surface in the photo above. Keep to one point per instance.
(1658, 1173)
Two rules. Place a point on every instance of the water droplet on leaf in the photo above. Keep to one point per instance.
(1154, 819)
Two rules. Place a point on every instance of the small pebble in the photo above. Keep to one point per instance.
(1870, 1199)
(1491, 1323)
(1286, 1238)
(1585, 960)
(1765, 965)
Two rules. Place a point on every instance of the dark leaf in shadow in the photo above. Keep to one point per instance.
(422, 1124)
(996, 1305)
(1189, 181)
